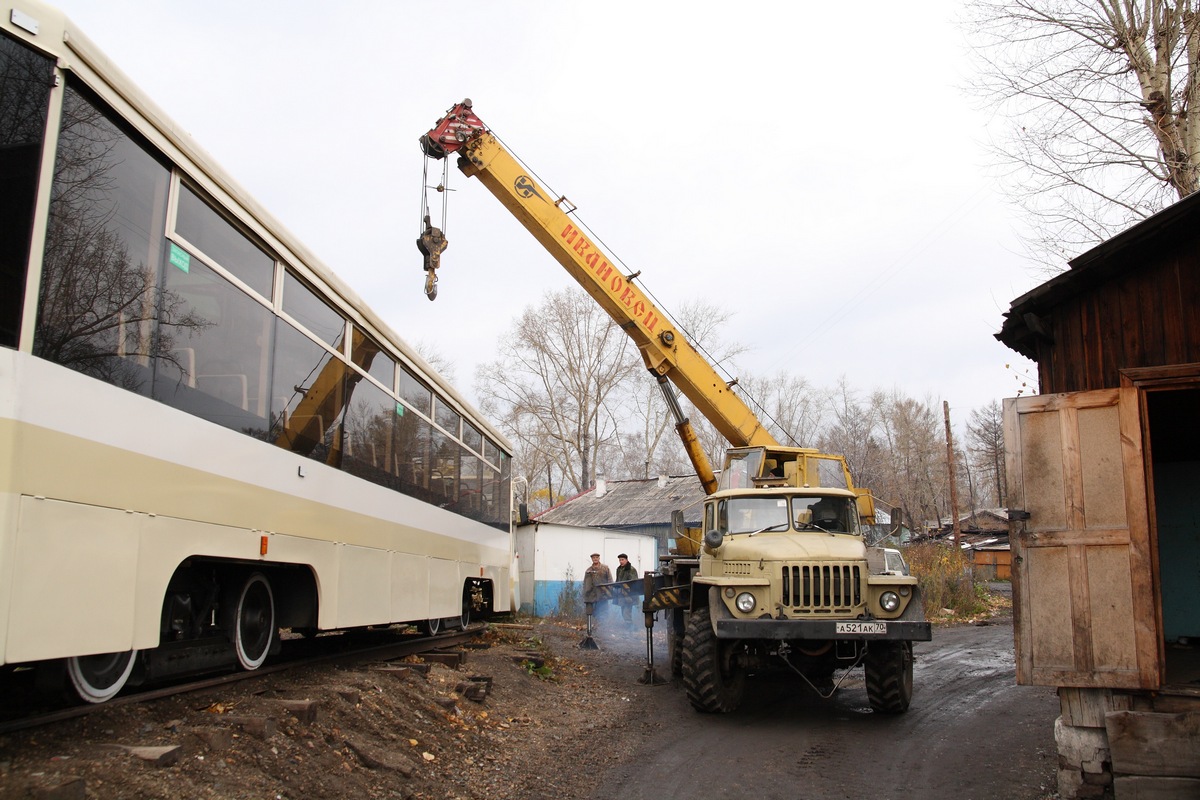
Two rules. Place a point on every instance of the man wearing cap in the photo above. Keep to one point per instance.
(625, 572)
(593, 576)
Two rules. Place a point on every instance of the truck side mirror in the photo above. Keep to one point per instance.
(713, 539)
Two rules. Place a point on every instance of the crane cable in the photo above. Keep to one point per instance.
(630, 275)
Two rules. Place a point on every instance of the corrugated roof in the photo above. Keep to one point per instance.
(635, 502)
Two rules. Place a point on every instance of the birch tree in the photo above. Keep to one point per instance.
(1098, 101)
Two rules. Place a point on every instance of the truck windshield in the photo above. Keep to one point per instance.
(753, 514)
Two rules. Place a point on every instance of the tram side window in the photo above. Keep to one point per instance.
(99, 295)
(446, 416)
(216, 364)
(502, 510)
(370, 450)
(306, 404)
(470, 485)
(414, 437)
(371, 358)
(471, 437)
(218, 239)
(24, 92)
(443, 481)
(414, 392)
(306, 307)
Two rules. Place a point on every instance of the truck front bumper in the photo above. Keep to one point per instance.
(893, 629)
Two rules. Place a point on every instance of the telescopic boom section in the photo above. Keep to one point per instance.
(665, 352)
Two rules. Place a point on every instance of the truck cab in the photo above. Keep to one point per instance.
(784, 579)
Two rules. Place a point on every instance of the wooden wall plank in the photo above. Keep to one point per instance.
(1146, 743)
(1140, 788)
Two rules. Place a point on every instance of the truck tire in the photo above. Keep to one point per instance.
(676, 628)
(713, 681)
(888, 667)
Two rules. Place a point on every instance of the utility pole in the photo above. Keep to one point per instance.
(953, 482)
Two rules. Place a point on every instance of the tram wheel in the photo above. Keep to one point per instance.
(97, 678)
(464, 619)
(249, 620)
(430, 627)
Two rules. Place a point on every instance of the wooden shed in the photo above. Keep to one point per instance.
(1103, 470)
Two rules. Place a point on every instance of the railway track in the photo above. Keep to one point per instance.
(353, 648)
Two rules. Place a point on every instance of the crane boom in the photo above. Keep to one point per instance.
(666, 352)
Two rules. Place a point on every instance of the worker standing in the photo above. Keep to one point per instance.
(593, 576)
(625, 572)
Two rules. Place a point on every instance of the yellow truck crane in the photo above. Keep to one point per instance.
(781, 577)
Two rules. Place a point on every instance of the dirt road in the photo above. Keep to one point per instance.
(971, 732)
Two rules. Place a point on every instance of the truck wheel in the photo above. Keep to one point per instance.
(676, 628)
(711, 676)
(888, 667)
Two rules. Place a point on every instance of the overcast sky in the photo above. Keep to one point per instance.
(812, 168)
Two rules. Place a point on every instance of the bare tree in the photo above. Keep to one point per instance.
(554, 384)
(437, 359)
(985, 448)
(705, 326)
(788, 405)
(1100, 98)
(912, 440)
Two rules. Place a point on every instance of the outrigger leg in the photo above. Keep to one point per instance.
(588, 642)
(649, 676)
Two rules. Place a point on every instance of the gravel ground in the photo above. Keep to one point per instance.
(545, 723)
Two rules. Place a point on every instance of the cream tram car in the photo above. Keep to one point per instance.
(205, 436)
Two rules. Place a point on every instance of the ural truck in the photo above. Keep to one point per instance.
(779, 575)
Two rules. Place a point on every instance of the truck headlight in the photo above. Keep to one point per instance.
(745, 602)
(890, 601)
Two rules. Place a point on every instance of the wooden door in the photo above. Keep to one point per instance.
(1082, 588)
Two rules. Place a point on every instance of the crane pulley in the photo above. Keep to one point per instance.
(432, 243)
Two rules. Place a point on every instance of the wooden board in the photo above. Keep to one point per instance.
(1084, 611)
(1156, 745)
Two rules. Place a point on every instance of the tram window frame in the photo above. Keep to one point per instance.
(382, 367)
(472, 437)
(229, 381)
(200, 223)
(288, 393)
(415, 393)
(120, 349)
(29, 75)
(310, 311)
(446, 416)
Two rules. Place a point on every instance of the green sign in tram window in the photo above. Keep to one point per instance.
(180, 257)
(399, 410)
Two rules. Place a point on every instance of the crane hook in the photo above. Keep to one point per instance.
(431, 243)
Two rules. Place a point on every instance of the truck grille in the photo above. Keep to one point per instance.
(822, 588)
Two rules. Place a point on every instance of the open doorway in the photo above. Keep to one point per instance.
(1175, 471)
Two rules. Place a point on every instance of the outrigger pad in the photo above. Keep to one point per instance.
(650, 678)
(588, 643)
